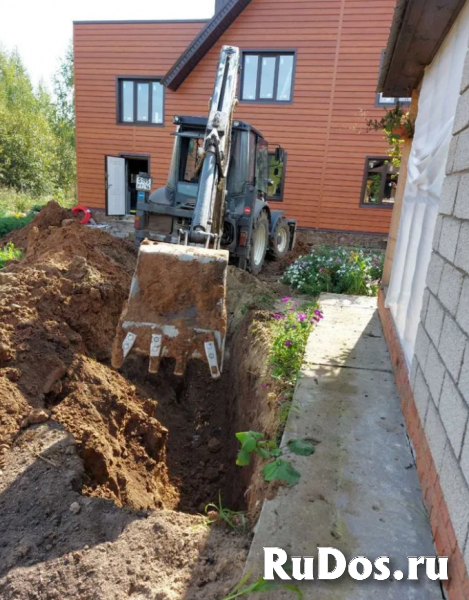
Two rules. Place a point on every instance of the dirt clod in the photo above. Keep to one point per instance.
(214, 445)
(75, 508)
(38, 415)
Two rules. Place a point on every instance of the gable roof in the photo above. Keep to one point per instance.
(199, 47)
(417, 32)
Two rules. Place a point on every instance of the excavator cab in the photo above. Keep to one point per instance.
(212, 210)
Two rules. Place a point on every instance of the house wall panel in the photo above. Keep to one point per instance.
(338, 55)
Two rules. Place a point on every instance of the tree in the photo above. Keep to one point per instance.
(37, 134)
(64, 122)
(27, 141)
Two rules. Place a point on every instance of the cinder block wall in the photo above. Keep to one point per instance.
(440, 368)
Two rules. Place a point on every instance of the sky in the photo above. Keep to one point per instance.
(42, 29)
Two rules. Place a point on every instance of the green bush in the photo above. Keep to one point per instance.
(8, 224)
(9, 252)
(338, 270)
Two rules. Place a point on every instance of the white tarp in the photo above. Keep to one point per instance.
(426, 172)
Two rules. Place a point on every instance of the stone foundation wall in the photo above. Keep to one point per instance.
(439, 504)
(124, 227)
(317, 237)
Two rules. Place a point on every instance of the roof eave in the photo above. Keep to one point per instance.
(199, 47)
(419, 28)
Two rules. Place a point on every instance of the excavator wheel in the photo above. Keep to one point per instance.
(259, 243)
(280, 242)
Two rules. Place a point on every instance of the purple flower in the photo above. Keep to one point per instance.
(293, 326)
(288, 343)
(301, 317)
(319, 314)
(316, 319)
(278, 316)
(286, 299)
(264, 386)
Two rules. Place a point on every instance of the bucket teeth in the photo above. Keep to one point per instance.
(180, 367)
(212, 360)
(127, 344)
(155, 352)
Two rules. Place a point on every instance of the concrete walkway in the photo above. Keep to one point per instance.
(359, 492)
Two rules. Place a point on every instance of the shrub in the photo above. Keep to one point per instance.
(338, 270)
(9, 252)
(12, 223)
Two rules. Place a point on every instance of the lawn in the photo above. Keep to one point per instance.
(17, 208)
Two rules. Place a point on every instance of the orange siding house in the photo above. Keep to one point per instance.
(334, 52)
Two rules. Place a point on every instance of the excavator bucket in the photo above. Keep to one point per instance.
(176, 307)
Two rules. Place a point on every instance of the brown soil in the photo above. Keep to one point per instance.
(140, 441)
(52, 217)
(274, 269)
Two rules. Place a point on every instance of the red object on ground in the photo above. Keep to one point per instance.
(86, 213)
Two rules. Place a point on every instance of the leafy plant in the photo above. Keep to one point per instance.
(12, 223)
(375, 187)
(9, 252)
(260, 585)
(291, 328)
(396, 125)
(277, 469)
(236, 520)
(336, 269)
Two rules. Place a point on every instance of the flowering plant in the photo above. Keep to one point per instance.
(336, 269)
(291, 328)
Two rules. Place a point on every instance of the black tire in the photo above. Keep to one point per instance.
(259, 243)
(280, 241)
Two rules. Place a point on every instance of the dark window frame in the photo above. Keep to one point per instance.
(282, 184)
(378, 101)
(379, 205)
(136, 79)
(267, 53)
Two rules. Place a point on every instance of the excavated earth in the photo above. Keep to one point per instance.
(103, 473)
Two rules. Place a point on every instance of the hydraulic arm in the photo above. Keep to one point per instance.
(217, 149)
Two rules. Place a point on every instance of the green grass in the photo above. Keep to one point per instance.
(14, 203)
(9, 252)
(17, 209)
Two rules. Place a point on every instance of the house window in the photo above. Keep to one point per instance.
(379, 182)
(140, 101)
(388, 100)
(268, 76)
(276, 177)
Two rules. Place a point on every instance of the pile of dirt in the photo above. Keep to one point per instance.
(52, 216)
(273, 270)
(58, 312)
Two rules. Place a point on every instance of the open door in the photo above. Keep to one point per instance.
(115, 186)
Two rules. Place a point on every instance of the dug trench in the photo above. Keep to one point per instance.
(104, 474)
